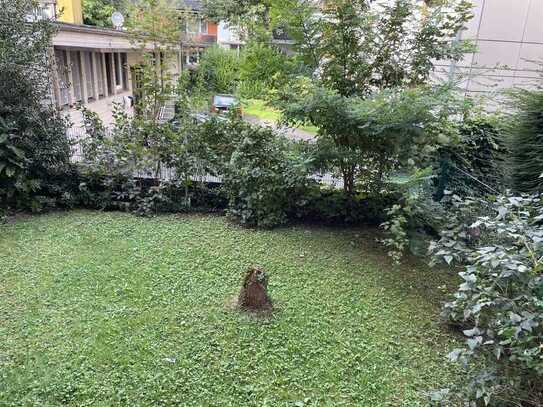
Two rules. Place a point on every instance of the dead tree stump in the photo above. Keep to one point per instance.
(254, 292)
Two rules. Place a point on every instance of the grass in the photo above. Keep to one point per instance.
(258, 108)
(111, 309)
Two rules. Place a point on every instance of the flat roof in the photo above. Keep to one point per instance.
(91, 29)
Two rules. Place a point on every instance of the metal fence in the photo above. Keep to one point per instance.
(77, 135)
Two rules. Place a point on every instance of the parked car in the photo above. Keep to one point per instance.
(223, 104)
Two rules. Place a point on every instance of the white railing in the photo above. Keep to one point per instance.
(77, 134)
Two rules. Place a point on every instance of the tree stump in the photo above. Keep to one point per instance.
(254, 292)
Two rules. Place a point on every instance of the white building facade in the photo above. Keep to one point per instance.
(508, 35)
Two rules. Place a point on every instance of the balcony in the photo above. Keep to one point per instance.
(198, 39)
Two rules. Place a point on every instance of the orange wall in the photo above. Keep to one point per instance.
(211, 28)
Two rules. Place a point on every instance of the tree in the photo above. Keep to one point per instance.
(365, 138)
(252, 16)
(34, 149)
(264, 68)
(154, 29)
(219, 70)
(98, 12)
(525, 141)
(363, 97)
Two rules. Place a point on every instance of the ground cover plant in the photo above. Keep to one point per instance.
(114, 309)
(500, 301)
(259, 109)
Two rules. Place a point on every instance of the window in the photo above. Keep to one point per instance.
(192, 26)
(48, 10)
(192, 56)
(117, 68)
(100, 75)
(203, 26)
(43, 10)
(124, 69)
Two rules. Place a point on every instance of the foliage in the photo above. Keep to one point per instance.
(218, 69)
(525, 141)
(365, 138)
(252, 17)
(264, 69)
(154, 24)
(411, 214)
(369, 95)
(328, 205)
(500, 301)
(34, 150)
(470, 165)
(98, 12)
(262, 175)
(473, 166)
(170, 280)
(124, 170)
(364, 47)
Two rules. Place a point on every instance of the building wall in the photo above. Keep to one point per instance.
(509, 38)
(228, 37)
(72, 11)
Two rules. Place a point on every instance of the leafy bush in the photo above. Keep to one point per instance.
(34, 149)
(262, 179)
(525, 141)
(122, 169)
(474, 164)
(499, 304)
(330, 205)
(218, 70)
(364, 140)
(412, 216)
(264, 68)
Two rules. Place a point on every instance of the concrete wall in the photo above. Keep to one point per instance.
(509, 36)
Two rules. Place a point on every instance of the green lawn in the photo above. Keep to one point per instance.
(108, 308)
(258, 108)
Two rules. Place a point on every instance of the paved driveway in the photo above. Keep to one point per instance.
(291, 132)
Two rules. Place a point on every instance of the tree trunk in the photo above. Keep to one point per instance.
(254, 292)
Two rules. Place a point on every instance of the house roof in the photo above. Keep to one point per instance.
(91, 29)
(195, 5)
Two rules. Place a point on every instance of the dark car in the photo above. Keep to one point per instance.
(223, 104)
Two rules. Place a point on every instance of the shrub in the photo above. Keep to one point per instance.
(264, 68)
(123, 169)
(218, 70)
(499, 304)
(330, 205)
(474, 165)
(262, 179)
(34, 149)
(525, 141)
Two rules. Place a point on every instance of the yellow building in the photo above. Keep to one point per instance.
(70, 11)
(93, 66)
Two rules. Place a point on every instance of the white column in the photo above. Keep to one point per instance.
(94, 62)
(113, 67)
(104, 75)
(71, 96)
(84, 90)
(55, 77)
